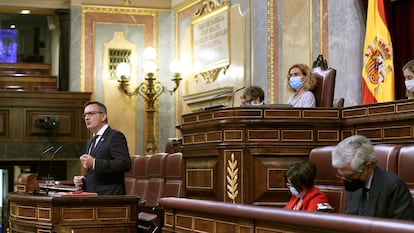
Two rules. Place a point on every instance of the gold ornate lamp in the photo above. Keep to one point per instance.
(150, 89)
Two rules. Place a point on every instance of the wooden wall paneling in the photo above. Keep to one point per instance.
(244, 151)
(26, 118)
(269, 139)
(4, 123)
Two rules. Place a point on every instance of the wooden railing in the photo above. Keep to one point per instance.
(189, 215)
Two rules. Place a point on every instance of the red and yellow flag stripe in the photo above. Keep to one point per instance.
(378, 68)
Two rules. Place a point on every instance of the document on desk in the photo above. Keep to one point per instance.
(73, 194)
(78, 194)
(65, 188)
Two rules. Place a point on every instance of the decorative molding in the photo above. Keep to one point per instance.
(209, 6)
(118, 10)
(232, 179)
(271, 52)
(210, 75)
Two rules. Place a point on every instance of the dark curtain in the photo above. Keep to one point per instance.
(402, 36)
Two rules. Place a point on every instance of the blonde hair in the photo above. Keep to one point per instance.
(310, 80)
(409, 66)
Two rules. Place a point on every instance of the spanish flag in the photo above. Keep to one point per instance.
(378, 68)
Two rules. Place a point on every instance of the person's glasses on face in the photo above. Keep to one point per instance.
(245, 99)
(348, 177)
(91, 113)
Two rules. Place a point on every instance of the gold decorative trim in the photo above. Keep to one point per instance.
(211, 75)
(186, 5)
(118, 10)
(85, 9)
(321, 27)
(270, 52)
(311, 32)
(232, 179)
(215, 13)
(209, 6)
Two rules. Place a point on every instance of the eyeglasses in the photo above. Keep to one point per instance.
(348, 177)
(89, 114)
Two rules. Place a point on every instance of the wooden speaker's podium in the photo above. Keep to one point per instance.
(46, 214)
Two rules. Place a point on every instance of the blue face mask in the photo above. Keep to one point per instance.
(296, 82)
(293, 191)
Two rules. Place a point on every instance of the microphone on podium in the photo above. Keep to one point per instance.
(52, 156)
(56, 151)
(232, 98)
(221, 94)
(48, 149)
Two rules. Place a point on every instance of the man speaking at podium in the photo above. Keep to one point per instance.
(106, 158)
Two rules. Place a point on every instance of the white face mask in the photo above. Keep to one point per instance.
(409, 84)
(293, 191)
(296, 193)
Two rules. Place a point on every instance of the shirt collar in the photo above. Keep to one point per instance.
(368, 184)
(102, 130)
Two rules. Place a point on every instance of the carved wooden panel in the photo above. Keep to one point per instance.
(78, 214)
(328, 135)
(239, 155)
(233, 135)
(68, 124)
(44, 213)
(297, 135)
(34, 116)
(39, 213)
(269, 184)
(191, 223)
(4, 123)
(263, 135)
(272, 138)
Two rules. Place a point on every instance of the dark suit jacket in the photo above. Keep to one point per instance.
(112, 160)
(388, 197)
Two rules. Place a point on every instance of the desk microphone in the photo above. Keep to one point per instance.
(48, 149)
(221, 94)
(232, 98)
(52, 156)
(241, 88)
(56, 151)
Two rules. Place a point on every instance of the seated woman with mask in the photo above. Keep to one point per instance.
(408, 72)
(301, 81)
(305, 196)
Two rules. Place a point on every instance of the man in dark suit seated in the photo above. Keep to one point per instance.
(372, 190)
(106, 158)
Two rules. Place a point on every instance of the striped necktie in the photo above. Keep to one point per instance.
(363, 203)
(92, 144)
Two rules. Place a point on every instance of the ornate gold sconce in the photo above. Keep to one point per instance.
(150, 89)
